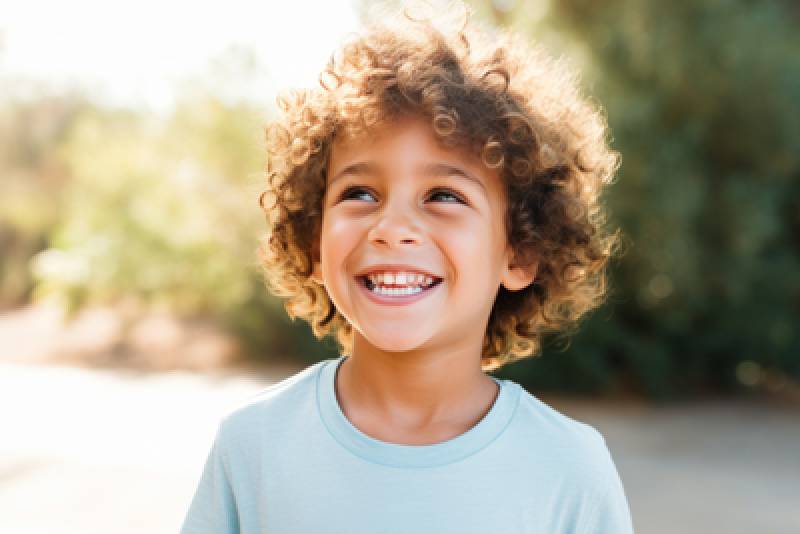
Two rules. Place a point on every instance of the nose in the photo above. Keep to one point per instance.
(395, 226)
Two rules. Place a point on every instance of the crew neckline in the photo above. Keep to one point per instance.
(489, 428)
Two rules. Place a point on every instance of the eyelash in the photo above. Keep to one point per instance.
(347, 193)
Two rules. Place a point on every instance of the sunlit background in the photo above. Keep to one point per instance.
(133, 313)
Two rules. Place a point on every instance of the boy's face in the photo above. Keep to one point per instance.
(398, 197)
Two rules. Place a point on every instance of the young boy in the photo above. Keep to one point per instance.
(435, 206)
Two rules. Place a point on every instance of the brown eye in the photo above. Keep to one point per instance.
(350, 192)
(447, 193)
(354, 191)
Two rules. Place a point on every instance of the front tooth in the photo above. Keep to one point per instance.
(400, 279)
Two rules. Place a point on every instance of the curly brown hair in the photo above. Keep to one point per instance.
(511, 103)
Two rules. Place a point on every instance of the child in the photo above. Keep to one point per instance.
(434, 204)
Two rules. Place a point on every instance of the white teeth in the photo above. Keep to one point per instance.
(406, 279)
(414, 283)
(396, 291)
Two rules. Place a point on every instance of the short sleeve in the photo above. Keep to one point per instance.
(610, 513)
(213, 507)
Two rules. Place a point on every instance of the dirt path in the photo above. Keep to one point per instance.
(87, 451)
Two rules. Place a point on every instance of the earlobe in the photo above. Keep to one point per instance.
(519, 277)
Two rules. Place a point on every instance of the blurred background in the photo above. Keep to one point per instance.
(133, 315)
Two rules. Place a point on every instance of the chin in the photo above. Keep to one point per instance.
(394, 342)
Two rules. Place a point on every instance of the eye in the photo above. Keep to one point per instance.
(355, 191)
(447, 192)
(348, 193)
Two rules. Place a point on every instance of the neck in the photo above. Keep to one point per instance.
(415, 390)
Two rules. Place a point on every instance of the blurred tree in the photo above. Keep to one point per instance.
(702, 100)
(156, 213)
(32, 177)
(101, 205)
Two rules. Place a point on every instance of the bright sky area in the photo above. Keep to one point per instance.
(136, 53)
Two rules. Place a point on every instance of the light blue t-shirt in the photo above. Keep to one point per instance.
(288, 461)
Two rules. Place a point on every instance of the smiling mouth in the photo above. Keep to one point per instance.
(366, 282)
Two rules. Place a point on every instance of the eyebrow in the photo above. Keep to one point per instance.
(431, 170)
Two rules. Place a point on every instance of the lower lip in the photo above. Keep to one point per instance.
(398, 300)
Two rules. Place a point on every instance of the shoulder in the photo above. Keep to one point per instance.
(270, 408)
(573, 447)
(572, 460)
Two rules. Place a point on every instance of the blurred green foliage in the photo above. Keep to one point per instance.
(158, 210)
(703, 100)
(32, 179)
(101, 204)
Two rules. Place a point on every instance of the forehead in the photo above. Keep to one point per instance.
(405, 141)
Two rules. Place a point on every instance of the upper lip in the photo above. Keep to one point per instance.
(395, 267)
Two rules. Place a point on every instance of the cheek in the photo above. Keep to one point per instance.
(338, 238)
(467, 245)
(474, 250)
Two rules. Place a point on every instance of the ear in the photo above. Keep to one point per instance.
(517, 277)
